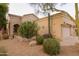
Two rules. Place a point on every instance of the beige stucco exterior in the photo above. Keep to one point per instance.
(29, 17)
(13, 19)
(59, 22)
(56, 25)
(43, 26)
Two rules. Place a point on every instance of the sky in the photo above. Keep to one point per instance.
(24, 8)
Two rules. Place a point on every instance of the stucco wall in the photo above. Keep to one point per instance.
(12, 21)
(56, 25)
(56, 21)
(68, 20)
(43, 26)
(29, 17)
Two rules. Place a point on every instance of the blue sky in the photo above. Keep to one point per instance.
(25, 8)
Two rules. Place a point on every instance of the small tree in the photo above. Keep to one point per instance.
(3, 21)
(28, 29)
(3, 12)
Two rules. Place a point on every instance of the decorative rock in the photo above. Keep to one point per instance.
(33, 38)
(19, 38)
(25, 40)
(32, 43)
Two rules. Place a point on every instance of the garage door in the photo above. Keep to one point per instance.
(65, 32)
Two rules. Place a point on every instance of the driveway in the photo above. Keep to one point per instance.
(69, 41)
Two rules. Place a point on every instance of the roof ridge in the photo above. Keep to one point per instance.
(15, 15)
(62, 12)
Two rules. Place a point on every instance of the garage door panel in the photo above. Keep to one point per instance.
(65, 32)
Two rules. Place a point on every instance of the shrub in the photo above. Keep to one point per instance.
(51, 46)
(39, 39)
(28, 29)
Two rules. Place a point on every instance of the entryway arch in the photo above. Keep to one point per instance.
(15, 28)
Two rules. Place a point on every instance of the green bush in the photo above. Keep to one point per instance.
(51, 46)
(28, 29)
(39, 39)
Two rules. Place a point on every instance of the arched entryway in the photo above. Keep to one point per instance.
(15, 28)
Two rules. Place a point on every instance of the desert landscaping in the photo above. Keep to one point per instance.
(18, 47)
(47, 31)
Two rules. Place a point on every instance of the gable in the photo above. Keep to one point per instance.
(29, 17)
(67, 19)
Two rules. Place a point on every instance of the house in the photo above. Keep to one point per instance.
(14, 21)
(29, 17)
(62, 25)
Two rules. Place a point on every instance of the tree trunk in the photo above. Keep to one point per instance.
(49, 28)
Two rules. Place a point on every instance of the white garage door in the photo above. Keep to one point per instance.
(65, 32)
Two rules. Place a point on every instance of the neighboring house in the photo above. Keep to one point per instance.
(62, 25)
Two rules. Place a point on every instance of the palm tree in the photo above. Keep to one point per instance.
(3, 12)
